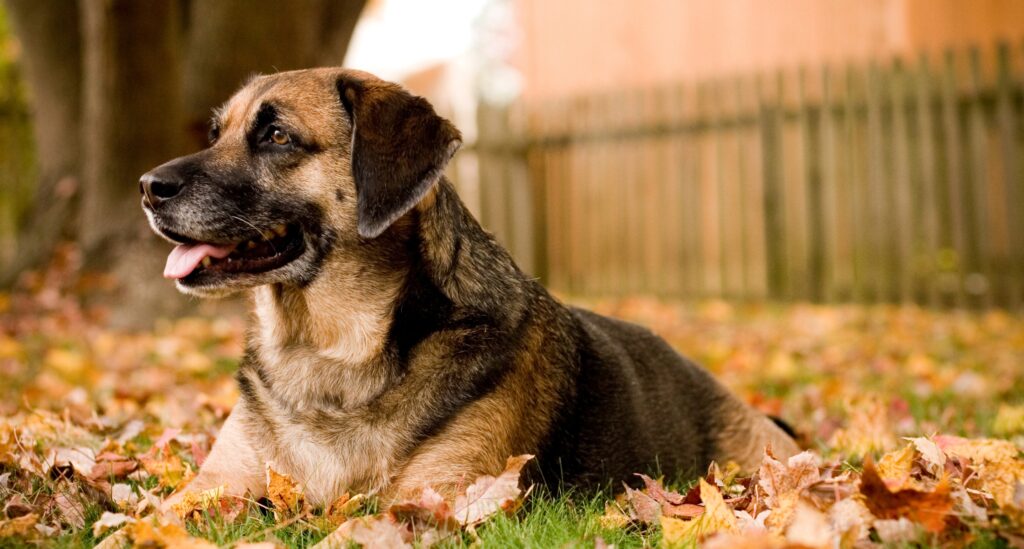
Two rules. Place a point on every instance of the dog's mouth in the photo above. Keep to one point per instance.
(264, 251)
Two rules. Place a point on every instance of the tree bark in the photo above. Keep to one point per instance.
(229, 40)
(51, 63)
(132, 120)
(120, 86)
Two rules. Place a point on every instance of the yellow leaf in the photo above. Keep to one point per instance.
(284, 493)
(344, 507)
(717, 517)
(613, 517)
(21, 526)
(167, 536)
(193, 502)
(896, 466)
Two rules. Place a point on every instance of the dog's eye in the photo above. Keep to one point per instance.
(279, 137)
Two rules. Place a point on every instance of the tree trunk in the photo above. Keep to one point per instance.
(120, 86)
(51, 61)
(229, 40)
(132, 121)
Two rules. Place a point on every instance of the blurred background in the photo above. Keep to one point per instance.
(864, 151)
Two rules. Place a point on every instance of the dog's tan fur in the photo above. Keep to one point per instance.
(331, 399)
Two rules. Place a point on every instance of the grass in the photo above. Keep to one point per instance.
(875, 373)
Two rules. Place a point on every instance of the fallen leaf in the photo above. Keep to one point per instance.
(284, 494)
(194, 504)
(613, 517)
(342, 508)
(779, 480)
(810, 527)
(717, 517)
(21, 526)
(669, 503)
(430, 509)
(895, 467)
(490, 495)
(851, 521)
(109, 521)
(376, 532)
(166, 536)
(930, 509)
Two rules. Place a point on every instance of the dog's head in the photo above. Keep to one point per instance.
(299, 164)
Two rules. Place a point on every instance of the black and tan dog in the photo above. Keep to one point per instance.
(395, 343)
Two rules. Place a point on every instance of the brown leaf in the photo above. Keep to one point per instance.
(780, 480)
(110, 465)
(284, 493)
(18, 507)
(930, 509)
(717, 517)
(430, 510)
(21, 526)
(376, 532)
(643, 507)
(342, 508)
(193, 505)
(669, 503)
(489, 495)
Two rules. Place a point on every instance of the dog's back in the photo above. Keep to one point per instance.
(640, 407)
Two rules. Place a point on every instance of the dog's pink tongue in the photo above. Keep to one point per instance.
(184, 258)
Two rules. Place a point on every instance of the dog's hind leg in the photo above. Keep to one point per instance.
(745, 433)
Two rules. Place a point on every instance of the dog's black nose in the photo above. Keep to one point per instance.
(158, 187)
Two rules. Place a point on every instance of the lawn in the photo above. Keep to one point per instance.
(103, 423)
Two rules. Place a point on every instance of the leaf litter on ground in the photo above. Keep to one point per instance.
(914, 418)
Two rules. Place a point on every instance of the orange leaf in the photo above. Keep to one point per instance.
(930, 509)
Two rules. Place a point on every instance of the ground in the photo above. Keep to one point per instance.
(98, 424)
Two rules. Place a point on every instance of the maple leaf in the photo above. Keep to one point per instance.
(376, 532)
(643, 507)
(490, 495)
(430, 510)
(930, 509)
(669, 503)
(780, 480)
(717, 517)
(284, 494)
(895, 467)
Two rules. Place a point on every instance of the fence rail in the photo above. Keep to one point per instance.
(895, 181)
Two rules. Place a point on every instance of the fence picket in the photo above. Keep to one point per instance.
(899, 182)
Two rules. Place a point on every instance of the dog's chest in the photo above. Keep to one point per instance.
(329, 448)
(329, 460)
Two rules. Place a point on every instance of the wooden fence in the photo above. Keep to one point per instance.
(894, 181)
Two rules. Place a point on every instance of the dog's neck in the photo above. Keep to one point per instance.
(335, 331)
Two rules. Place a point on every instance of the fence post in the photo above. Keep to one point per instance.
(770, 122)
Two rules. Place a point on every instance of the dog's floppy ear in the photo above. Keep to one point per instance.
(400, 147)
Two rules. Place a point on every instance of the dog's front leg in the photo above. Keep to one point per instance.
(233, 463)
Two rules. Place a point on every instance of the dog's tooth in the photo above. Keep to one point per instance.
(281, 230)
(206, 261)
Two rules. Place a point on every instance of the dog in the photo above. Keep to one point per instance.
(395, 344)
